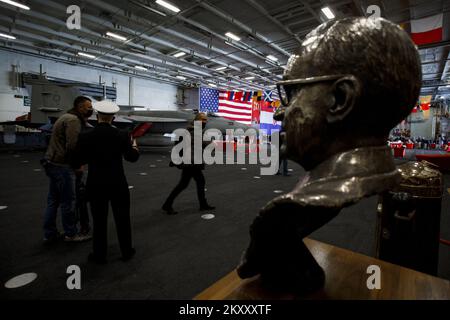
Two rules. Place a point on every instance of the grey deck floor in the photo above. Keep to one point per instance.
(177, 256)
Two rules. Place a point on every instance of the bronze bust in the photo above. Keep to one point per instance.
(348, 85)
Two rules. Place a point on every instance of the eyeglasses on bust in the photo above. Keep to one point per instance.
(286, 87)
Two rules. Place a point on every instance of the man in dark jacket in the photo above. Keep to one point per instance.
(189, 171)
(102, 149)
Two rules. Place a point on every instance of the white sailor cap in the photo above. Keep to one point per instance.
(106, 107)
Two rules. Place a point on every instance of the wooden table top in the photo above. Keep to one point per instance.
(346, 278)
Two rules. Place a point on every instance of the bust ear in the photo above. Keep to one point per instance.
(346, 92)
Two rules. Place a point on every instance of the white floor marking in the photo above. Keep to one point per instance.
(21, 280)
(37, 170)
(208, 216)
(243, 168)
(3, 207)
(130, 187)
(143, 173)
(257, 177)
(278, 191)
(152, 166)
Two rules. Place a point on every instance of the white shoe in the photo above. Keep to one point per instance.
(85, 236)
(77, 238)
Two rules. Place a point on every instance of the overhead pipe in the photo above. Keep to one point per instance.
(245, 48)
(264, 12)
(241, 25)
(108, 7)
(67, 54)
(87, 43)
(63, 44)
(76, 47)
(105, 6)
(157, 56)
(161, 61)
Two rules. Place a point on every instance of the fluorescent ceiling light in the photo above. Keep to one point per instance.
(7, 36)
(328, 13)
(232, 36)
(249, 78)
(270, 57)
(114, 35)
(16, 4)
(212, 85)
(141, 68)
(221, 68)
(167, 5)
(181, 77)
(179, 54)
(86, 55)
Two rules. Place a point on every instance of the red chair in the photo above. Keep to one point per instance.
(399, 152)
(399, 149)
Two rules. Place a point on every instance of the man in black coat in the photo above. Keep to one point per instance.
(102, 149)
(190, 170)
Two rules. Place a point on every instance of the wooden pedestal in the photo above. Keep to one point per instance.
(346, 278)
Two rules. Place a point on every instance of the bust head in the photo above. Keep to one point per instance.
(348, 85)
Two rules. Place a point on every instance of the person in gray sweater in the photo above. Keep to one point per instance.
(57, 164)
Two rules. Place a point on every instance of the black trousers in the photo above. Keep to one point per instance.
(81, 204)
(120, 204)
(187, 173)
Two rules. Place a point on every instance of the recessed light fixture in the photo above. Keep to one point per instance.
(181, 77)
(7, 36)
(271, 57)
(116, 36)
(212, 85)
(328, 13)
(141, 68)
(179, 54)
(221, 68)
(86, 55)
(232, 36)
(249, 78)
(16, 4)
(167, 5)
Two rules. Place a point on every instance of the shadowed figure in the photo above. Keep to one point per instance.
(348, 85)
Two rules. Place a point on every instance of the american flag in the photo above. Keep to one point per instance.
(230, 105)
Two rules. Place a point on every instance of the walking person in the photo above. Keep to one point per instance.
(57, 165)
(283, 168)
(283, 165)
(190, 171)
(103, 149)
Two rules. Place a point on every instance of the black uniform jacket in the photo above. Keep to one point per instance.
(102, 148)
